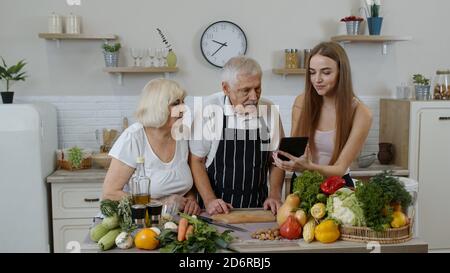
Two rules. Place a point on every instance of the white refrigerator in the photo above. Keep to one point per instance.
(28, 140)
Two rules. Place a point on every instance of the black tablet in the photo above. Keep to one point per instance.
(293, 145)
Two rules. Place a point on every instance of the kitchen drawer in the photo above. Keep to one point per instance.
(80, 200)
(69, 235)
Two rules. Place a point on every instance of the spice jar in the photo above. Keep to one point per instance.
(306, 54)
(441, 87)
(291, 58)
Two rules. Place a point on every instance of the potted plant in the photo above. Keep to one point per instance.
(352, 24)
(111, 54)
(422, 87)
(374, 20)
(171, 57)
(11, 74)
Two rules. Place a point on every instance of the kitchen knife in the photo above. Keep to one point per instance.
(212, 222)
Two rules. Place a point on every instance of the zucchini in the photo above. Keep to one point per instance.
(111, 222)
(97, 232)
(109, 240)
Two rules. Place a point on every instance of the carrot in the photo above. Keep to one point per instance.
(182, 228)
(189, 231)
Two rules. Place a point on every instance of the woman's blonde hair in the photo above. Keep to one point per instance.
(312, 105)
(156, 96)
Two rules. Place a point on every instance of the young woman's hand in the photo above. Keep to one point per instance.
(295, 164)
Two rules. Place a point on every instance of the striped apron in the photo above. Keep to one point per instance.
(238, 173)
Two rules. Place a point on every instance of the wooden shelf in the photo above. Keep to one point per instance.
(369, 38)
(384, 40)
(138, 69)
(289, 71)
(64, 36)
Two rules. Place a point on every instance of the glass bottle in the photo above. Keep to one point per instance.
(138, 214)
(140, 184)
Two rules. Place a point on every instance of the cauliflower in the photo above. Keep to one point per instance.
(345, 208)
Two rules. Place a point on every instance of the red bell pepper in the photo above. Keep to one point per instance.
(332, 184)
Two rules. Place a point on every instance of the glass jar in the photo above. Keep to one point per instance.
(441, 86)
(291, 58)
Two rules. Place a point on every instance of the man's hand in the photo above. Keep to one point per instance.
(191, 206)
(217, 206)
(273, 204)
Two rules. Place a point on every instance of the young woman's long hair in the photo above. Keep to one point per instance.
(344, 99)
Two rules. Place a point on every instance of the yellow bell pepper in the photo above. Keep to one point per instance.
(327, 232)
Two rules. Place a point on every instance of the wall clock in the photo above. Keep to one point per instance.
(222, 40)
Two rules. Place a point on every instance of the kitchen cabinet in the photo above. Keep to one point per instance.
(75, 201)
(425, 128)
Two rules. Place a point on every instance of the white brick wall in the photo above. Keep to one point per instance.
(79, 117)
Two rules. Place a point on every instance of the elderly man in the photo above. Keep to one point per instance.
(231, 169)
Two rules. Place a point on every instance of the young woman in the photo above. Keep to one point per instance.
(328, 112)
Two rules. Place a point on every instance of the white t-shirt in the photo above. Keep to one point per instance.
(169, 178)
(211, 125)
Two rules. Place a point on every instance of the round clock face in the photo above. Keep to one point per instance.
(221, 41)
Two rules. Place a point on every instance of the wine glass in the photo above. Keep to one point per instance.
(141, 55)
(151, 55)
(164, 52)
(134, 52)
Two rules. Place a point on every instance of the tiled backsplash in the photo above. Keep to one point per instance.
(79, 117)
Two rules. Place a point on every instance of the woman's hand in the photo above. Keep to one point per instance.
(295, 164)
(191, 206)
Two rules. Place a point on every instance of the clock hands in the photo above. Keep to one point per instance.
(222, 45)
(225, 44)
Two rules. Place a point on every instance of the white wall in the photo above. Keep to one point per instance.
(75, 68)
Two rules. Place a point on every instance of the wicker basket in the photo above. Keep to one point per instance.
(66, 165)
(388, 236)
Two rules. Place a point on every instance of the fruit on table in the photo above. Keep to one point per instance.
(291, 228)
(301, 217)
(288, 208)
(308, 230)
(399, 219)
(318, 210)
(327, 231)
(146, 239)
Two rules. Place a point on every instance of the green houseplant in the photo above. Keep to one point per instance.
(374, 20)
(111, 54)
(422, 87)
(11, 74)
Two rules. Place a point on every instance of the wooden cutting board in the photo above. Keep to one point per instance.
(238, 216)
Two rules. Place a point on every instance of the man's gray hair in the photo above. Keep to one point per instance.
(239, 65)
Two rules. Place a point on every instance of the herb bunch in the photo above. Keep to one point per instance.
(308, 187)
(204, 239)
(377, 196)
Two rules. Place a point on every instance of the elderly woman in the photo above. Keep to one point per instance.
(159, 111)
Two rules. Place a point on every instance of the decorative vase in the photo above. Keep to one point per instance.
(374, 24)
(385, 153)
(7, 97)
(422, 92)
(171, 59)
(111, 58)
(352, 27)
